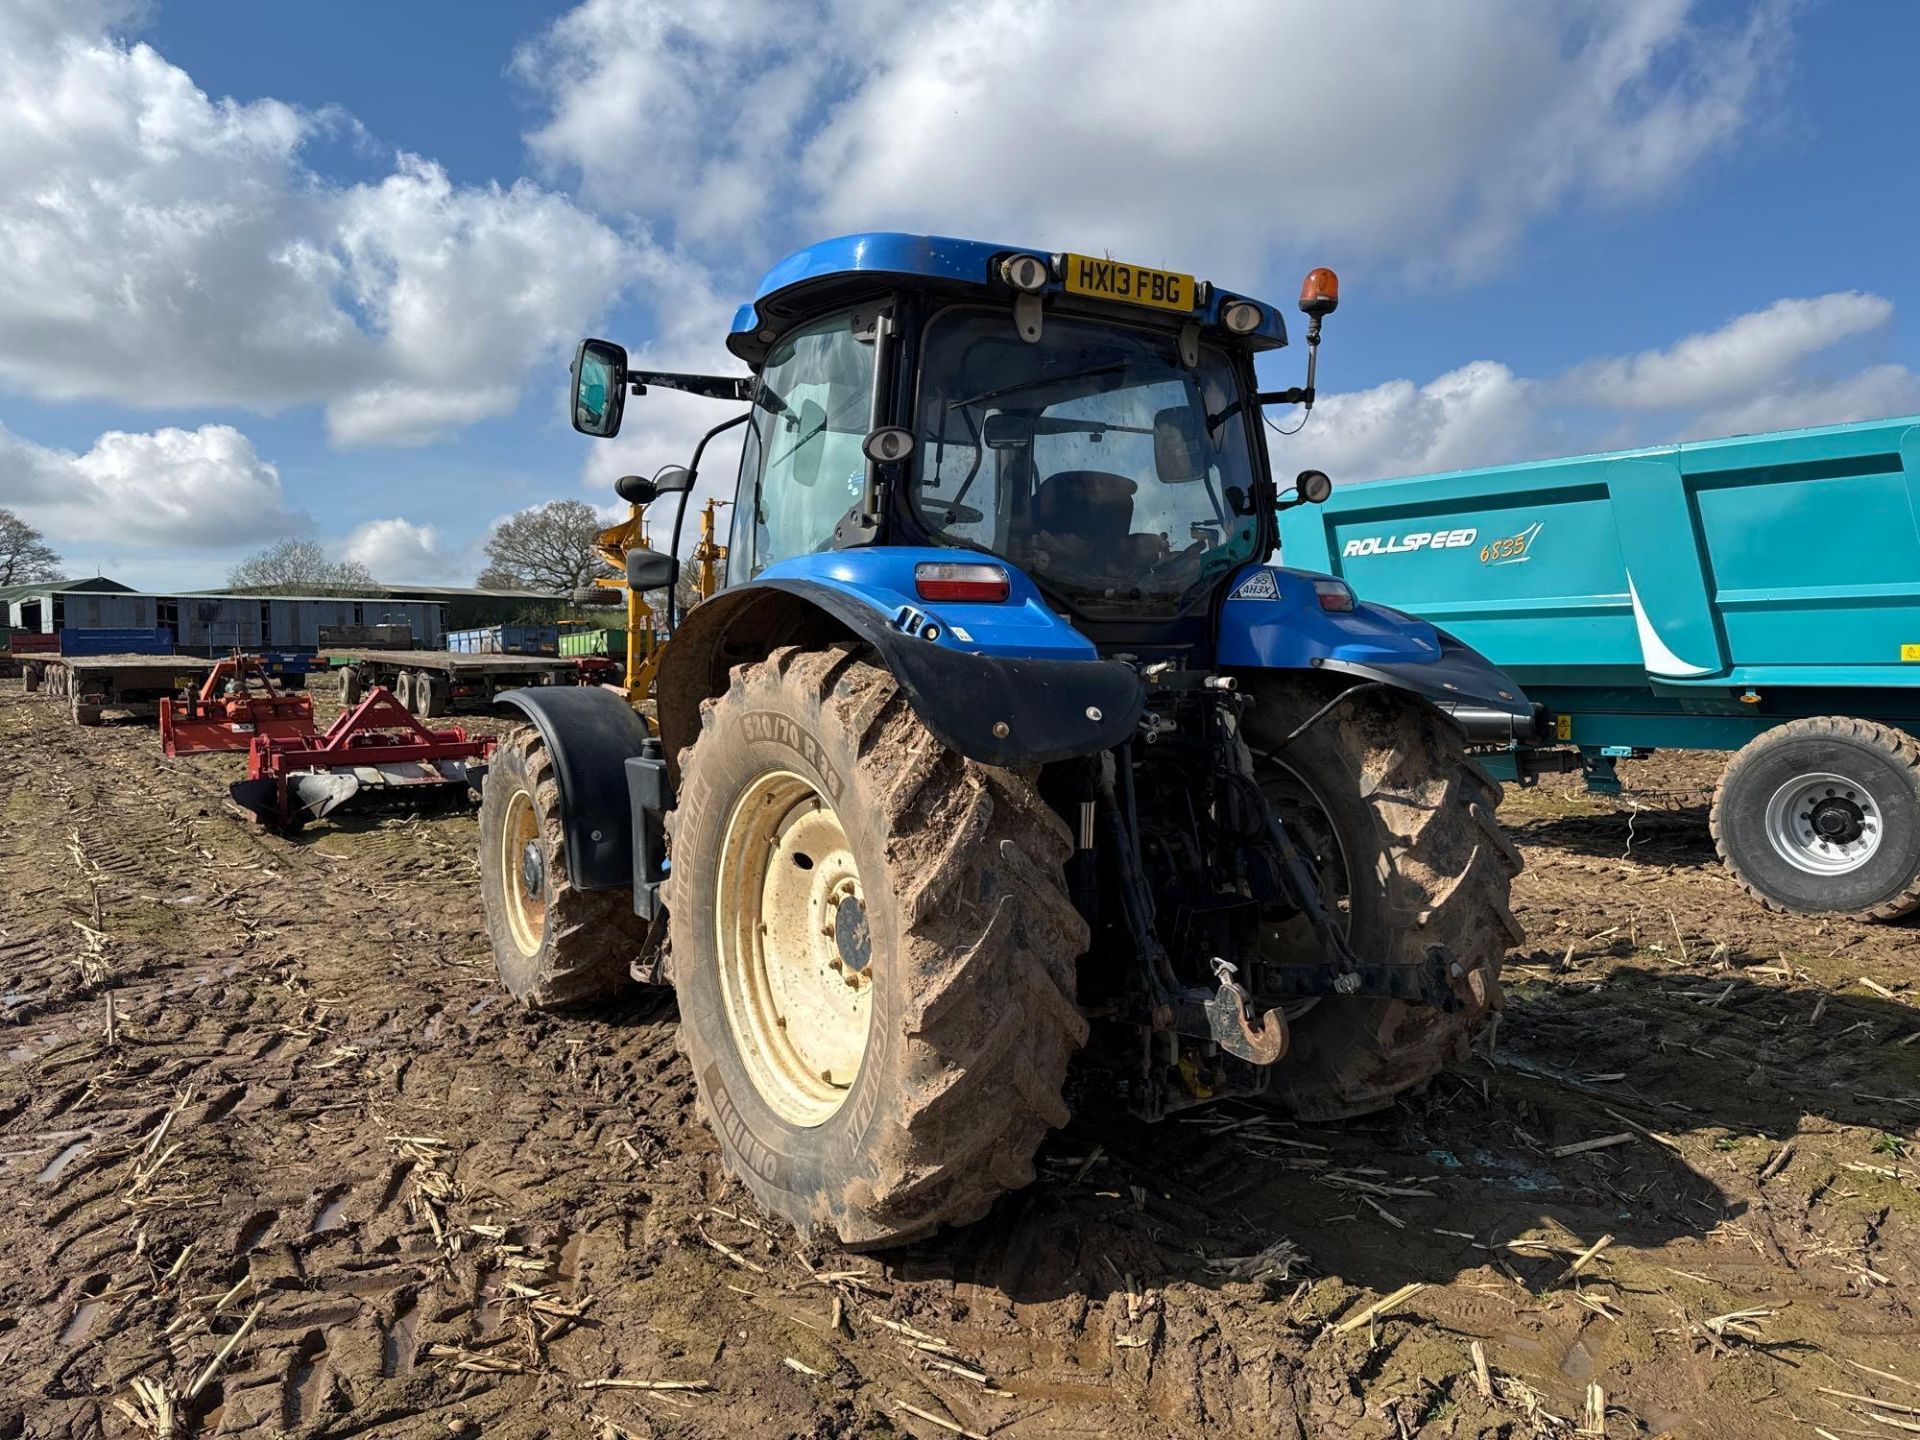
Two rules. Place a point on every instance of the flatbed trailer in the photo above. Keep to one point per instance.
(93, 684)
(432, 682)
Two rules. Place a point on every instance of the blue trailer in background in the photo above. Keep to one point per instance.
(1759, 594)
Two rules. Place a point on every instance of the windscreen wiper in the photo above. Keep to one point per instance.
(1113, 369)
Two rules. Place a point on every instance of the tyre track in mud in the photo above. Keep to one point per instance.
(440, 1216)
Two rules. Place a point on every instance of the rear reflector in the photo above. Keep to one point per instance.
(1333, 595)
(946, 580)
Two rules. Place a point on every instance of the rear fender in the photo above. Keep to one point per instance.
(1008, 684)
(590, 734)
(1272, 620)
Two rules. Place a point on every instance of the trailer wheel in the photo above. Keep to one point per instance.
(349, 686)
(874, 953)
(1399, 822)
(431, 694)
(1824, 815)
(555, 945)
(33, 674)
(403, 691)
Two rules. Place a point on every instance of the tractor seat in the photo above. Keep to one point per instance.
(1081, 528)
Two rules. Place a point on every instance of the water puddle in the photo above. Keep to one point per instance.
(82, 1322)
(399, 1346)
(53, 1168)
(329, 1216)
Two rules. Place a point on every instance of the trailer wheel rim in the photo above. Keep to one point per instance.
(1824, 824)
(523, 871)
(794, 947)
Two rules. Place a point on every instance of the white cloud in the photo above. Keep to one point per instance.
(1753, 351)
(1480, 414)
(167, 248)
(1749, 375)
(1422, 135)
(1872, 394)
(204, 488)
(399, 551)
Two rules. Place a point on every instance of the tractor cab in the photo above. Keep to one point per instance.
(1090, 422)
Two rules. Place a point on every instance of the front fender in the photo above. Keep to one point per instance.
(589, 734)
(1006, 685)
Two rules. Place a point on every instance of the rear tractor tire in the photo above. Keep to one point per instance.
(1824, 815)
(556, 945)
(874, 953)
(1399, 822)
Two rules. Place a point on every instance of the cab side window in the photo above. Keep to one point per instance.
(802, 469)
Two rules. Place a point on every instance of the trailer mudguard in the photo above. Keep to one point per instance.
(1272, 619)
(589, 734)
(1005, 684)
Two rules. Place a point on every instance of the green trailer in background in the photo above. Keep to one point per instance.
(593, 642)
(1759, 594)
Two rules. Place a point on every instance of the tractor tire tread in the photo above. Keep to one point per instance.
(591, 935)
(990, 1024)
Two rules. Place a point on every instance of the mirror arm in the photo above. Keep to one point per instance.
(1295, 395)
(711, 387)
(680, 513)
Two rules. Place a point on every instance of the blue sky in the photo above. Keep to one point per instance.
(314, 269)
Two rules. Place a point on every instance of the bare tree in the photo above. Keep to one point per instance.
(300, 567)
(24, 555)
(549, 549)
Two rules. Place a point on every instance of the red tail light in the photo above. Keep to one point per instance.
(947, 580)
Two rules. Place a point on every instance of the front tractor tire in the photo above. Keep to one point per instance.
(874, 953)
(1398, 821)
(556, 945)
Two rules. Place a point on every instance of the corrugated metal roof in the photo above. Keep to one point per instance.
(95, 584)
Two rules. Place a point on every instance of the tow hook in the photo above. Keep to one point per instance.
(1476, 987)
(1231, 1022)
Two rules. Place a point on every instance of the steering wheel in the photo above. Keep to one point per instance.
(1177, 557)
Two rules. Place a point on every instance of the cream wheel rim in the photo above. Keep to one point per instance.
(795, 955)
(523, 873)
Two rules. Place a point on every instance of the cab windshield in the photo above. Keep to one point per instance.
(1116, 476)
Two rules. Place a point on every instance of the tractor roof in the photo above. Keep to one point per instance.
(812, 279)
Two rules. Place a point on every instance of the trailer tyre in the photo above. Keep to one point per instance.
(1399, 821)
(874, 953)
(432, 694)
(555, 945)
(349, 687)
(1823, 814)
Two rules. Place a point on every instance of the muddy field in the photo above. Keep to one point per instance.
(277, 1157)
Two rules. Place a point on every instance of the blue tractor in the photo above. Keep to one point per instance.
(1004, 742)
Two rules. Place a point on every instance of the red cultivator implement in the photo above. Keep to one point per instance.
(237, 704)
(375, 752)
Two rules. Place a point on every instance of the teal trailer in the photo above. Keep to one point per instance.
(1759, 594)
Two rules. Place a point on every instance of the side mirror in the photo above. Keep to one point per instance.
(599, 387)
(672, 479)
(651, 570)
